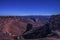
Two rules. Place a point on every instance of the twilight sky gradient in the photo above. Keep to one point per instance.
(29, 7)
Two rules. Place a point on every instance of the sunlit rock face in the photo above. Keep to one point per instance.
(13, 25)
(55, 22)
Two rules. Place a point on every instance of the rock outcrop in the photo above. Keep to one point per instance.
(41, 32)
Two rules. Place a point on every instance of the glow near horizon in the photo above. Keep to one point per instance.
(26, 13)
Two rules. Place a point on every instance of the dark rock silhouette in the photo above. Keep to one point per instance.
(38, 33)
(29, 27)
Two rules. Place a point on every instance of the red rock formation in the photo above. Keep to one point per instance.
(13, 26)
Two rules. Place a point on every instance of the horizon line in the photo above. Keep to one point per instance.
(27, 14)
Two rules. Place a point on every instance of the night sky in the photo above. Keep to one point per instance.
(29, 7)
